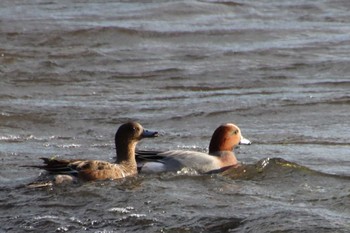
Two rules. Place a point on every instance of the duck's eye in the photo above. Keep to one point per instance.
(137, 130)
(235, 132)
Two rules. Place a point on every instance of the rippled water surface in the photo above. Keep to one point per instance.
(72, 71)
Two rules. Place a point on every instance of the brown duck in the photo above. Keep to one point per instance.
(126, 138)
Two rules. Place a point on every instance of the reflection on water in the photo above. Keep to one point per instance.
(72, 72)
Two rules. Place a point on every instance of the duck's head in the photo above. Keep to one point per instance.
(133, 132)
(226, 137)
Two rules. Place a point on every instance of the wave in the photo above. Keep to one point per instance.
(276, 168)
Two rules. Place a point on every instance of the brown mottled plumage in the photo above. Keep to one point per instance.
(126, 139)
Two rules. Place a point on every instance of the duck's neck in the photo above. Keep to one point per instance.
(126, 156)
(218, 152)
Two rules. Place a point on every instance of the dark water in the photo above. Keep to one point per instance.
(72, 71)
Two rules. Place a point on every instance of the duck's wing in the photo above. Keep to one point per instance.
(148, 155)
(101, 170)
(86, 169)
(175, 160)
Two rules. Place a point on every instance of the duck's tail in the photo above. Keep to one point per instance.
(56, 166)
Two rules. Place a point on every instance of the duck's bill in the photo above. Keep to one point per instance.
(149, 134)
(245, 141)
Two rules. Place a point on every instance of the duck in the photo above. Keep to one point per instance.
(126, 139)
(219, 158)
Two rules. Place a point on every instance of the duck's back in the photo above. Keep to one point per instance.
(175, 160)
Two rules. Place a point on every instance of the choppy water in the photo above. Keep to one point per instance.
(72, 71)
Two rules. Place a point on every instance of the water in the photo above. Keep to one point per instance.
(72, 72)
